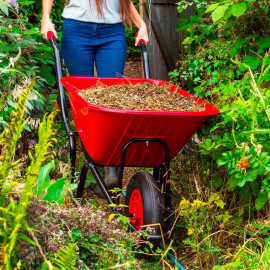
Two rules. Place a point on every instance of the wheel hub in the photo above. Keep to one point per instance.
(136, 208)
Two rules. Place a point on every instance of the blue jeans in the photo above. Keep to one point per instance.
(84, 44)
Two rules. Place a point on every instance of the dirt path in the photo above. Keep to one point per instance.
(133, 69)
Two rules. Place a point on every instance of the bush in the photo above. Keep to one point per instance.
(227, 63)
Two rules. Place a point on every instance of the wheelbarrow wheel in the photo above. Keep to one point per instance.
(143, 199)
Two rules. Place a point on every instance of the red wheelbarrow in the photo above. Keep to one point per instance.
(125, 138)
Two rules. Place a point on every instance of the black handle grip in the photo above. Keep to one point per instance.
(145, 59)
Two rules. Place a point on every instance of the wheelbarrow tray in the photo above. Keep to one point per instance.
(105, 131)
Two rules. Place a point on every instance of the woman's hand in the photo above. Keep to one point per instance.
(47, 26)
(142, 34)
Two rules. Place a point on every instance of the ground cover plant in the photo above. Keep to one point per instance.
(227, 63)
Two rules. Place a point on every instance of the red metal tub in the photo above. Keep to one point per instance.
(105, 131)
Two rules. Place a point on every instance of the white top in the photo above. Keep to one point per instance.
(86, 11)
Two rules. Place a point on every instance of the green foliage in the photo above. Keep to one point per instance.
(132, 51)
(199, 218)
(55, 191)
(253, 254)
(46, 134)
(11, 135)
(14, 227)
(65, 259)
(52, 192)
(227, 63)
(24, 54)
(44, 179)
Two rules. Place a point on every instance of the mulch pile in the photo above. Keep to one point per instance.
(140, 97)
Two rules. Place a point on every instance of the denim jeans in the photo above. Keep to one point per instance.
(85, 44)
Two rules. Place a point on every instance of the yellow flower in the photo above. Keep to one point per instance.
(197, 204)
(190, 231)
(184, 202)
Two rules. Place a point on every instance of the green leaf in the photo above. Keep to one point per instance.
(47, 73)
(261, 201)
(188, 41)
(16, 29)
(25, 238)
(241, 182)
(95, 238)
(31, 31)
(239, 9)
(220, 204)
(211, 7)
(219, 13)
(258, 131)
(4, 9)
(255, 187)
(252, 62)
(44, 178)
(182, 24)
(55, 190)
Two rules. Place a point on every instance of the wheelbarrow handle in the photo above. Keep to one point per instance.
(145, 59)
(51, 37)
(63, 103)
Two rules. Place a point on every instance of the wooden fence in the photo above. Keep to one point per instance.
(165, 47)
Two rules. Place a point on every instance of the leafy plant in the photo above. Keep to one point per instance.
(226, 62)
(14, 227)
(52, 192)
(65, 259)
(199, 218)
(229, 65)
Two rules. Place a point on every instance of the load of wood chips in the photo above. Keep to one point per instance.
(140, 97)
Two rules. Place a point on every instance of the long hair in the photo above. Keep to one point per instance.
(124, 9)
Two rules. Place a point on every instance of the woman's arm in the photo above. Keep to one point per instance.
(140, 24)
(46, 24)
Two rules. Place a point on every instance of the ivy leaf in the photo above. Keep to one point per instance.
(219, 13)
(239, 9)
(261, 201)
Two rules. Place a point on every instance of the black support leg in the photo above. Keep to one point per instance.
(82, 181)
(72, 143)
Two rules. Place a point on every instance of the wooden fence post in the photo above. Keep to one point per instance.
(164, 48)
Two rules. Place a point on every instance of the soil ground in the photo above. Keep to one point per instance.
(133, 69)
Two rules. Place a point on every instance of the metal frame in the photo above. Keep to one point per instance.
(72, 135)
(162, 179)
(160, 173)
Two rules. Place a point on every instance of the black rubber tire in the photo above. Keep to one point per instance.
(151, 198)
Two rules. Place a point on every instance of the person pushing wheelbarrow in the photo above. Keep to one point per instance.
(93, 34)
